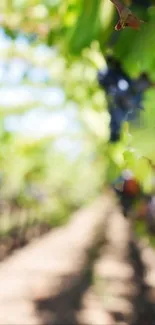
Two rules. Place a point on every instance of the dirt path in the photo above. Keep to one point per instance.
(88, 272)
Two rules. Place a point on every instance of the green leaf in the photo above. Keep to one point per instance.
(86, 27)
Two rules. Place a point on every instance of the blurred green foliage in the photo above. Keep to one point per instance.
(38, 181)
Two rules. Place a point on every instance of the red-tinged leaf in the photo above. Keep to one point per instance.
(131, 187)
(127, 18)
(119, 6)
(133, 22)
(118, 26)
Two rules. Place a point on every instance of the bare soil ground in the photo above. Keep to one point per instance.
(91, 271)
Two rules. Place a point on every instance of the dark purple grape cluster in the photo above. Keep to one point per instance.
(134, 201)
(124, 95)
(128, 190)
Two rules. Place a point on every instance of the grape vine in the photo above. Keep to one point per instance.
(125, 102)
